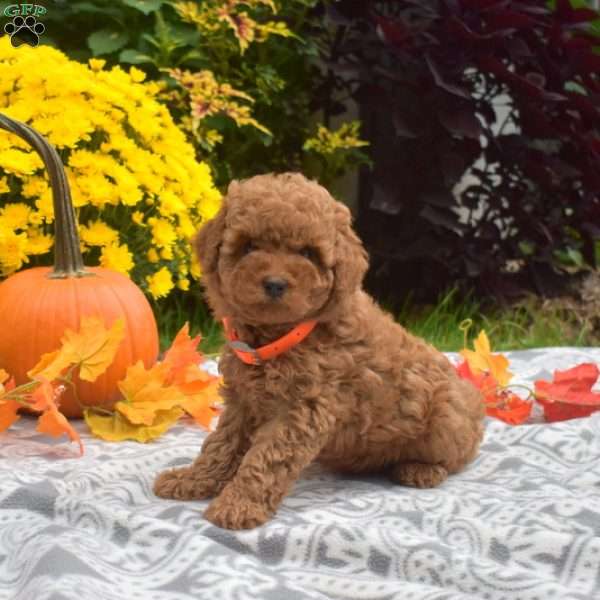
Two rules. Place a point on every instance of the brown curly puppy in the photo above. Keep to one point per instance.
(359, 394)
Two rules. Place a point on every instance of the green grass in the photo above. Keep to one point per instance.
(529, 324)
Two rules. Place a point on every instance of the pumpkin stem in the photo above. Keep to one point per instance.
(68, 261)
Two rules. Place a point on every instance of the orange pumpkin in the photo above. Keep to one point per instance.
(37, 305)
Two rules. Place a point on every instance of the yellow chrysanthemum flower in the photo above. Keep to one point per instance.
(45, 207)
(15, 216)
(19, 162)
(36, 218)
(38, 243)
(137, 75)
(117, 258)
(186, 227)
(34, 187)
(171, 204)
(195, 268)
(163, 232)
(160, 283)
(98, 234)
(96, 64)
(137, 217)
(210, 207)
(13, 247)
(167, 254)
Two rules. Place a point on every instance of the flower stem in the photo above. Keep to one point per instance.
(530, 394)
(465, 326)
(97, 409)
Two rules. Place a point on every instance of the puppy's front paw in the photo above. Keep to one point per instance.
(231, 510)
(184, 484)
(419, 475)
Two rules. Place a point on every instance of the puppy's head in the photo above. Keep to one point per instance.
(280, 250)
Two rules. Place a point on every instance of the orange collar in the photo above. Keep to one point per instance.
(256, 356)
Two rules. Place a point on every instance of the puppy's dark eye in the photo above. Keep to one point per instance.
(248, 247)
(310, 253)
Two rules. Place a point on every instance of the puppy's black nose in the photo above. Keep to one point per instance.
(274, 286)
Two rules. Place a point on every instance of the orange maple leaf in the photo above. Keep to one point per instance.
(93, 346)
(182, 354)
(8, 406)
(145, 393)
(3, 378)
(481, 360)
(7, 383)
(51, 366)
(137, 376)
(54, 423)
(199, 387)
(8, 413)
(196, 379)
(92, 349)
(45, 395)
(200, 404)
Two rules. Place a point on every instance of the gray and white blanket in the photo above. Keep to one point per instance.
(523, 522)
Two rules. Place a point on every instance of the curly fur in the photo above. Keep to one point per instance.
(359, 394)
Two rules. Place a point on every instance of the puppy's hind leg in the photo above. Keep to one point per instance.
(451, 440)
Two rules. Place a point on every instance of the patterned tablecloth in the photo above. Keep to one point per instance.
(523, 522)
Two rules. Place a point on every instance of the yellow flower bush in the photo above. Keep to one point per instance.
(139, 192)
(327, 141)
(336, 149)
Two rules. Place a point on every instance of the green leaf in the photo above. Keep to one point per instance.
(193, 55)
(573, 86)
(185, 35)
(575, 257)
(526, 248)
(116, 428)
(151, 40)
(106, 41)
(81, 7)
(86, 7)
(146, 6)
(133, 57)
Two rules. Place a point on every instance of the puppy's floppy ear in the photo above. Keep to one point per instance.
(208, 241)
(351, 259)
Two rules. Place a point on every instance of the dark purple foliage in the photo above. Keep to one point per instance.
(426, 74)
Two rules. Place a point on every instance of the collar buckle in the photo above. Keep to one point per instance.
(239, 346)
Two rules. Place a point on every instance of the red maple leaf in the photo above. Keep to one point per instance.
(569, 395)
